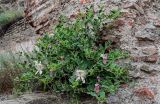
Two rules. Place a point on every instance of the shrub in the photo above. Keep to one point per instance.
(73, 61)
(8, 71)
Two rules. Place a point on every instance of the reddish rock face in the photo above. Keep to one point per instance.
(150, 58)
(144, 92)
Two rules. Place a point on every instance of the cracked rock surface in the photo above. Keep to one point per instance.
(139, 29)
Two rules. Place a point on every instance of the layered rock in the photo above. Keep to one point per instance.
(40, 13)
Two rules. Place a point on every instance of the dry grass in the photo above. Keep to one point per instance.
(9, 16)
(8, 71)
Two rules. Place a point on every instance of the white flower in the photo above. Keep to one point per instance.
(51, 35)
(39, 67)
(104, 57)
(36, 48)
(80, 75)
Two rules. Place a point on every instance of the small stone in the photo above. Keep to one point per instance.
(144, 92)
(84, 1)
(157, 23)
(114, 39)
(128, 14)
(119, 22)
(131, 1)
(135, 75)
(6, 1)
(113, 99)
(139, 8)
(153, 80)
(146, 1)
(145, 68)
(151, 58)
(116, 1)
(124, 85)
(136, 58)
(158, 51)
(150, 50)
(152, 16)
(143, 37)
(142, 21)
(130, 22)
(128, 5)
(149, 26)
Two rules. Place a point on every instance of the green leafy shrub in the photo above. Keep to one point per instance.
(73, 61)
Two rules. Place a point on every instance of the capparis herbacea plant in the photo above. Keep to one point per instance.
(72, 61)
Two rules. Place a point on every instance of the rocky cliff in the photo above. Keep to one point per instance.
(139, 29)
(41, 14)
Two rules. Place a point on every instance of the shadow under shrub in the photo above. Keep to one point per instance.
(7, 18)
(8, 71)
(72, 61)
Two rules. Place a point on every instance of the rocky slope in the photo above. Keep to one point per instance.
(139, 29)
